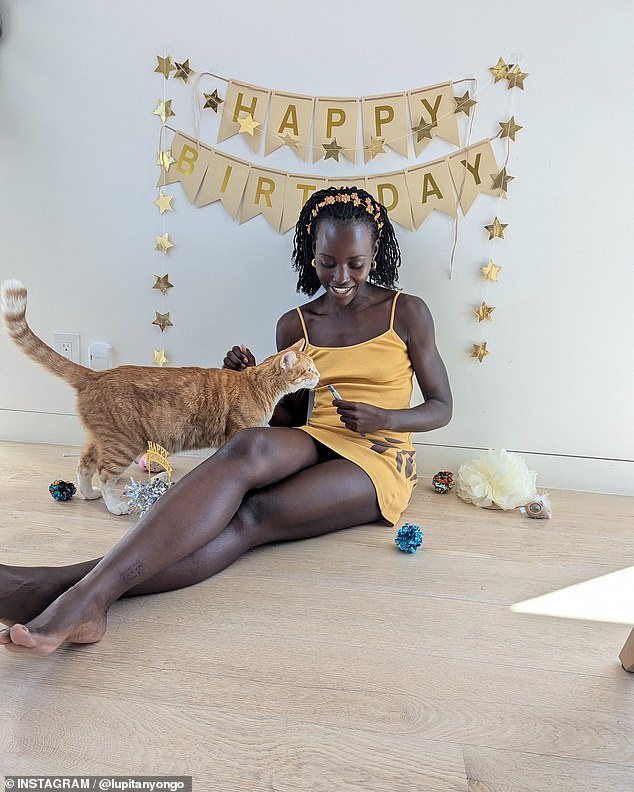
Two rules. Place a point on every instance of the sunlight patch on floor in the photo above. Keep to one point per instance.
(609, 598)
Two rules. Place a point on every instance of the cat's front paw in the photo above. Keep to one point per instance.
(91, 494)
(123, 507)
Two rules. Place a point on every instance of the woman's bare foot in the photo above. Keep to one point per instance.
(73, 617)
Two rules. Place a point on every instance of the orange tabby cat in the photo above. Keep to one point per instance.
(180, 408)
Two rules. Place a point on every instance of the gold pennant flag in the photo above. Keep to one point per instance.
(473, 170)
(225, 180)
(390, 189)
(430, 187)
(244, 102)
(298, 191)
(264, 194)
(191, 162)
(336, 121)
(432, 115)
(384, 123)
(290, 122)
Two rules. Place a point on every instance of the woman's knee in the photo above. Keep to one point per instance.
(261, 451)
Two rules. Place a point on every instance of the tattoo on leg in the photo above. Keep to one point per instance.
(132, 571)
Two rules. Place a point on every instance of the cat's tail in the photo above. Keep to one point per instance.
(13, 308)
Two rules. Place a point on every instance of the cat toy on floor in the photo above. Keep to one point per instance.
(62, 490)
(443, 482)
(539, 507)
(409, 538)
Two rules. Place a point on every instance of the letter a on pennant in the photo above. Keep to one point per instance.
(290, 121)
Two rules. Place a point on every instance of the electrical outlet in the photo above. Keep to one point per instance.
(67, 345)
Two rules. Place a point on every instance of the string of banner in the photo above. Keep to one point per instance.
(284, 119)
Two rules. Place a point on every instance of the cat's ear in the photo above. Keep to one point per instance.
(298, 346)
(289, 359)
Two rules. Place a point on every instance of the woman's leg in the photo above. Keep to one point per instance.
(322, 498)
(187, 517)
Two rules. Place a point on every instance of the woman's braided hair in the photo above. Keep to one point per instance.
(344, 205)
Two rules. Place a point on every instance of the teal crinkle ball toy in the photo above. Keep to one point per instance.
(409, 538)
(62, 490)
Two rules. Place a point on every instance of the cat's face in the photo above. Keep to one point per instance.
(298, 368)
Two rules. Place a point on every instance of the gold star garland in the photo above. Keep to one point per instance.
(375, 146)
(514, 77)
(162, 321)
(162, 282)
(248, 124)
(183, 71)
(212, 101)
(166, 65)
(332, 150)
(159, 357)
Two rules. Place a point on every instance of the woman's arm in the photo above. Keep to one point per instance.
(292, 410)
(414, 324)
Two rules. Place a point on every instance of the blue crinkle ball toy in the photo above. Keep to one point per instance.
(409, 538)
(62, 490)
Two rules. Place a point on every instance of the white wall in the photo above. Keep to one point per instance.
(77, 154)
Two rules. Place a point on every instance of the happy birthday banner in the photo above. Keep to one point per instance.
(293, 118)
(409, 195)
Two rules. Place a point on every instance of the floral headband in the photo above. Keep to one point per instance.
(370, 208)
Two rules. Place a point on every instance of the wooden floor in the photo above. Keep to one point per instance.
(335, 664)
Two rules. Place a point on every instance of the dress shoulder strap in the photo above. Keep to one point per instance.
(301, 319)
(393, 310)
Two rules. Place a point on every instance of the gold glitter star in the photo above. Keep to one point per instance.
(375, 146)
(464, 103)
(496, 229)
(423, 130)
(165, 159)
(509, 128)
(500, 70)
(490, 272)
(164, 202)
(162, 282)
(212, 100)
(183, 71)
(501, 180)
(163, 244)
(165, 66)
(332, 150)
(159, 357)
(484, 312)
(163, 320)
(480, 351)
(289, 140)
(163, 109)
(516, 78)
(248, 124)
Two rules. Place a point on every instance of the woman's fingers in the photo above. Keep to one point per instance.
(238, 358)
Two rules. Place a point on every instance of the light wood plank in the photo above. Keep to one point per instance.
(489, 770)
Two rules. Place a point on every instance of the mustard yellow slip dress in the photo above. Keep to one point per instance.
(377, 372)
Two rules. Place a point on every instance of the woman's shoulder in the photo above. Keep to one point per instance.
(289, 329)
(412, 317)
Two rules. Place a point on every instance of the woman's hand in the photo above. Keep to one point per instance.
(360, 417)
(238, 358)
